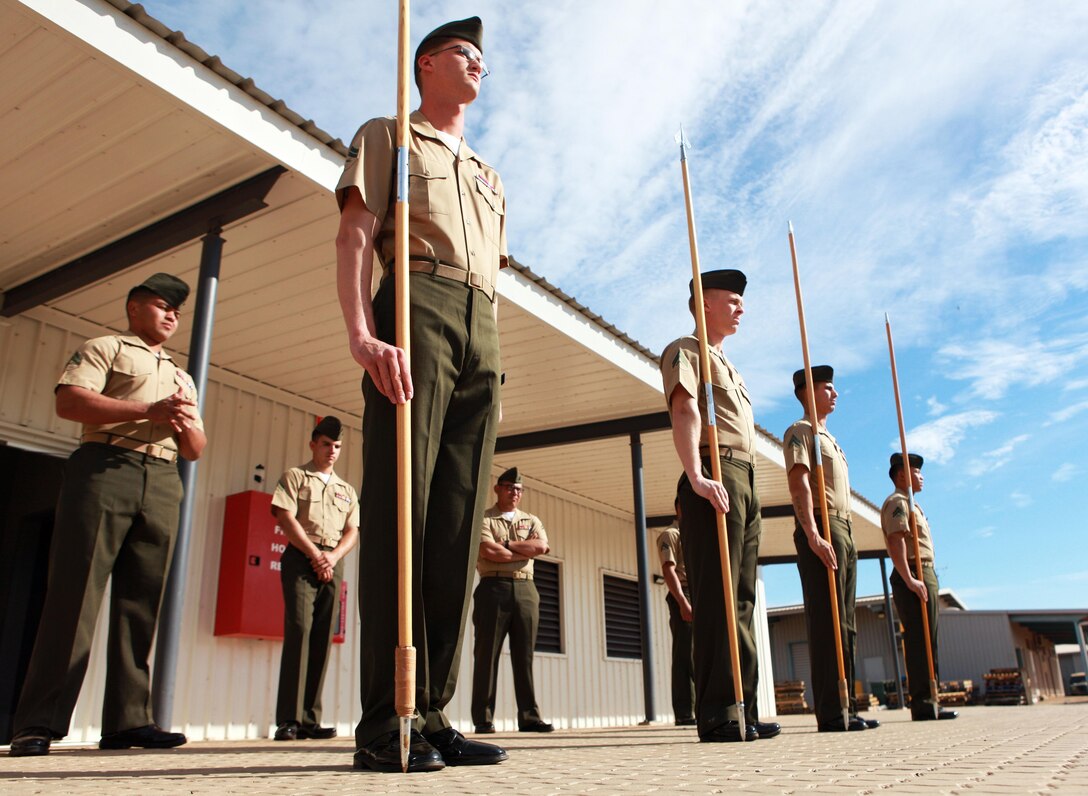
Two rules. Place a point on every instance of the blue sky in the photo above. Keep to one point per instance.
(933, 158)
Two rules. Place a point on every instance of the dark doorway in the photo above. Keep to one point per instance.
(29, 485)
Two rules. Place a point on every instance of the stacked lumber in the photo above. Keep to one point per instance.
(789, 697)
(955, 692)
(865, 701)
(1004, 687)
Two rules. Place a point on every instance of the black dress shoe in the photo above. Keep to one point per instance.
(685, 722)
(835, 725)
(767, 729)
(535, 726)
(872, 724)
(457, 750)
(487, 728)
(151, 736)
(288, 731)
(926, 714)
(316, 731)
(383, 754)
(730, 733)
(31, 742)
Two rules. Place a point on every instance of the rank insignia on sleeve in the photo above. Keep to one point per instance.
(353, 152)
(676, 359)
(75, 360)
(899, 512)
(664, 547)
(795, 442)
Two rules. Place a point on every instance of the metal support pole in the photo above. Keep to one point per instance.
(173, 601)
(1078, 629)
(643, 576)
(891, 634)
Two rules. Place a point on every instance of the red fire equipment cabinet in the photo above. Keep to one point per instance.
(250, 599)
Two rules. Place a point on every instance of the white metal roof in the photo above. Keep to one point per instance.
(109, 122)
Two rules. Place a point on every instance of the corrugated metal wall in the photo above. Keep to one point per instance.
(226, 687)
(970, 644)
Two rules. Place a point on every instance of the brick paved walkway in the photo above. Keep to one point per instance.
(1037, 749)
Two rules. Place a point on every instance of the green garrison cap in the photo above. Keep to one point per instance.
(819, 373)
(168, 286)
(511, 476)
(725, 279)
(330, 426)
(897, 462)
(471, 30)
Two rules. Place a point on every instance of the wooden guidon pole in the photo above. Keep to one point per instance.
(405, 678)
(913, 523)
(712, 437)
(818, 469)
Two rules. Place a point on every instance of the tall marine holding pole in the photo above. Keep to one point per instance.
(405, 685)
(913, 523)
(818, 469)
(712, 439)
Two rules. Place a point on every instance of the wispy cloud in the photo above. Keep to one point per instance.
(935, 406)
(995, 459)
(1067, 413)
(994, 366)
(984, 533)
(1066, 472)
(937, 439)
(1021, 499)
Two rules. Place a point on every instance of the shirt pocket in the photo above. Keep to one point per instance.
(424, 185)
(489, 209)
(309, 509)
(131, 377)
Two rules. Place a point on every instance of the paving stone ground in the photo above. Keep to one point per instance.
(1028, 749)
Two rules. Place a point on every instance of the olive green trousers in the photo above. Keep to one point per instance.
(117, 515)
(455, 373)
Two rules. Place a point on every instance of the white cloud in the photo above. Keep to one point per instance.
(994, 366)
(1066, 472)
(1067, 413)
(937, 439)
(996, 458)
(1075, 384)
(1020, 499)
(984, 533)
(935, 406)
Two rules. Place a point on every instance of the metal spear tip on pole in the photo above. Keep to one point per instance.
(790, 225)
(405, 741)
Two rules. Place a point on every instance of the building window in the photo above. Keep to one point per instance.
(622, 630)
(549, 632)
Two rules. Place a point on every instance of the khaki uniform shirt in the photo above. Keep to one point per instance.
(323, 510)
(671, 552)
(799, 450)
(732, 406)
(893, 520)
(457, 208)
(498, 529)
(124, 367)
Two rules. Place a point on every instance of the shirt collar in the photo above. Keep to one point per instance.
(422, 126)
(131, 339)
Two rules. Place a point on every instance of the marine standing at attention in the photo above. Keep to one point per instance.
(319, 513)
(117, 514)
(457, 243)
(701, 498)
(506, 603)
(671, 554)
(910, 593)
(815, 556)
